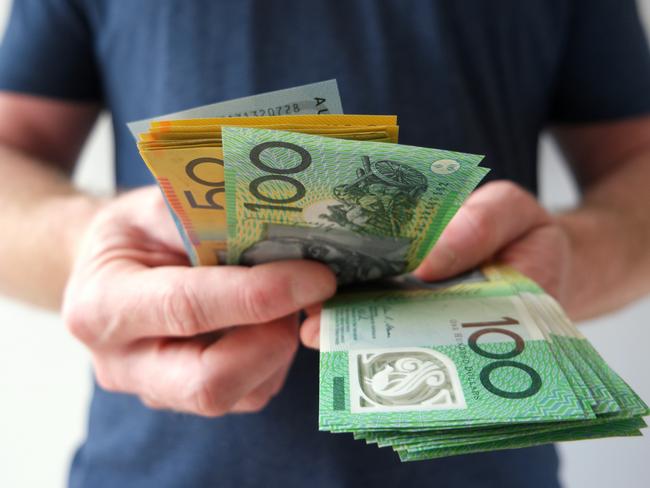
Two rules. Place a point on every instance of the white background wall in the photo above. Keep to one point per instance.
(45, 377)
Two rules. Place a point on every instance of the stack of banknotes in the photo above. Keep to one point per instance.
(197, 164)
(486, 362)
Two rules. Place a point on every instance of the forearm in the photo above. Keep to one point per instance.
(610, 241)
(42, 220)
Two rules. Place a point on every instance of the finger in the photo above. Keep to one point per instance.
(186, 375)
(544, 256)
(257, 399)
(254, 401)
(152, 404)
(203, 340)
(314, 309)
(310, 331)
(180, 301)
(493, 216)
(266, 348)
(137, 224)
(145, 208)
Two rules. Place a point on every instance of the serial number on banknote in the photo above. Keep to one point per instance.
(287, 109)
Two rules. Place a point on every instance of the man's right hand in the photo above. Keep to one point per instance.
(204, 340)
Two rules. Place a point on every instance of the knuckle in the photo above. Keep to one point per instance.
(481, 222)
(277, 388)
(277, 385)
(180, 311)
(258, 301)
(76, 321)
(151, 202)
(78, 315)
(281, 338)
(104, 378)
(514, 194)
(150, 403)
(507, 187)
(256, 403)
(288, 340)
(155, 199)
(205, 398)
(207, 404)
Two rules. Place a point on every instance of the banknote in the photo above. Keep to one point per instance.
(367, 209)
(411, 358)
(191, 179)
(615, 428)
(315, 98)
(436, 370)
(186, 158)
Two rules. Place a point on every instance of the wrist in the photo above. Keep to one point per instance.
(604, 249)
(81, 210)
(69, 216)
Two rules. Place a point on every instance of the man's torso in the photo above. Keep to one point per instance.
(470, 76)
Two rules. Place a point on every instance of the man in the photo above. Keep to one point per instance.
(220, 343)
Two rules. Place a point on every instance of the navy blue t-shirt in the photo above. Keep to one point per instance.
(471, 75)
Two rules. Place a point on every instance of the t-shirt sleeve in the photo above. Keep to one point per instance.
(605, 72)
(47, 50)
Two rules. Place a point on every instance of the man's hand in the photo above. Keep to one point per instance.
(502, 221)
(205, 340)
(499, 221)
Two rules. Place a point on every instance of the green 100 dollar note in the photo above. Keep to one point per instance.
(367, 209)
(483, 362)
(425, 359)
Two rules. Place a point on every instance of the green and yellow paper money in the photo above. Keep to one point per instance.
(245, 195)
(186, 157)
(486, 362)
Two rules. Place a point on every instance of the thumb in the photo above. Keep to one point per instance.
(310, 331)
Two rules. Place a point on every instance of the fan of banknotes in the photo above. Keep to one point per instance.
(486, 362)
